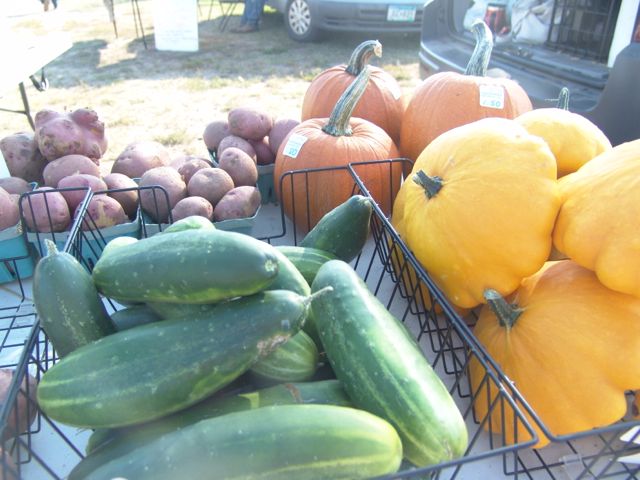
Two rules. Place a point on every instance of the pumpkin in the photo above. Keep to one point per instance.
(561, 334)
(382, 102)
(597, 225)
(480, 207)
(330, 145)
(449, 99)
(573, 139)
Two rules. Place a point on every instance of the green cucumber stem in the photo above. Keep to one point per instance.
(338, 123)
(319, 293)
(507, 314)
(481, 55)
(563, 99)
(51, 247)
(431, 185)
(361, 55)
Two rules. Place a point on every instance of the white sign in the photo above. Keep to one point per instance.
(294, 144)
(401, 13)
(4, 171)
(492, 96)
(175, 24)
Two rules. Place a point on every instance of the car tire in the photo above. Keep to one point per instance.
(299, 21)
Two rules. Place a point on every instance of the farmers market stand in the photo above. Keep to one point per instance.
(50, 450)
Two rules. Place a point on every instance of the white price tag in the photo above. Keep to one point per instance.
(294, 144)
(492, 96)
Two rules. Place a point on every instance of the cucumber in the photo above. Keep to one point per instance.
(150, 371)
(306, 259)
(383, 369)
(133, 316)
(344, 230)
(173, 311)
(193, 222)
(279, 442)
(117, 243)
(323, 392)
(68, 305)
(295, 361)
(190, 266)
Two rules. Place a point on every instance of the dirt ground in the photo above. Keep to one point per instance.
(145, 94)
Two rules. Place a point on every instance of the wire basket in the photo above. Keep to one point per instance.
(50, 450)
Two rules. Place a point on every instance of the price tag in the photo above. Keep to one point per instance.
(294, 144)
(492, 96)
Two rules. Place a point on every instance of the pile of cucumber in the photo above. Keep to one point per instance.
(205, 310)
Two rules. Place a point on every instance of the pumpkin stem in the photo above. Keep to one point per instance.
(507, 314)
(479, 60)
(361, 56)
(431, 185)
(338, 124)
(563, 99)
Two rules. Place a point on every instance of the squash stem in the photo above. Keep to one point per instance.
(507, 314)
(361, 56)
(338, 123)
(431, 185)
(563, 99)
(51, 247)
(479, 60)
(319, 293)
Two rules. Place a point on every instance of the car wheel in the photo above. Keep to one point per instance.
(300, 24)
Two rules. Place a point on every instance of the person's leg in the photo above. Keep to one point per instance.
(250, 16)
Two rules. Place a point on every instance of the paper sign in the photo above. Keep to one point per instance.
(175, 24)
(4, 171)
(294, 144)
(492, 96)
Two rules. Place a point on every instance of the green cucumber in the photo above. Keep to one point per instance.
(382, 368)
(193, 222)
(295, 361)
(133, 316)
(67, 302)
(190, 266)
(306, 259)
(279, 442)
(150, 371)
(117, 243)
(344, 230)
(173, 311)
(323, 392)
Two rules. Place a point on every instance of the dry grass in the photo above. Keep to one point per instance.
(145, 94)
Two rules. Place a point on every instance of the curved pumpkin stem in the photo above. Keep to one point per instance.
(507, 314)
(361, 56)
(563, 99)
(431, 185)
(338, 124)
(481, 55)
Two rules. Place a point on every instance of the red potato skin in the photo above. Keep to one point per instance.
(15, 185)
(240, 167)
(9, 211)
(105, 212)
(240, 202)
(210, 183)
(127, 198)
(264, 155)
(24, 412)
(214, 132)
(156, 205)
(139, 157)
(249, 123)
(281, 128)
(79, 132)
(66, 166)
(192, 206)
(80, 180)
(237, 142)
(190, 167)
(23, 159)
(38, 207)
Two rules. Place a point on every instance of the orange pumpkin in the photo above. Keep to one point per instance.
(323, 143)
(561, 334)
(449, 99)
(382, 102)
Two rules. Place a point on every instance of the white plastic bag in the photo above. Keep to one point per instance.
(531, 20)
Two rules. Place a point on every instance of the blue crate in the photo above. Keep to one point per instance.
(240, 225)
(16, 255)
(266, 184)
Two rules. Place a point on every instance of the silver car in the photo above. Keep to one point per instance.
(307, 20)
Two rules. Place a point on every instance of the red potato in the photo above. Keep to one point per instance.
(140, 157)
(24, 410)
(15, 185)
(9, 211)
(180, 160)
(82, 181)
(249, 123)
(210, 183)
(79, 132)
(264, 155)
(240, 167)
(45, 210)
(127, 198)
(214, 132)
(192, 206)
(153, 200)
(240, 202)
(104, 211)
(66, 166)
(281, 128)
(237, 142)
(190, 167)
(23, 159)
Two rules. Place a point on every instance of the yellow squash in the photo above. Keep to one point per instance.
(598, 225)
(562, 334)
(479, 208)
